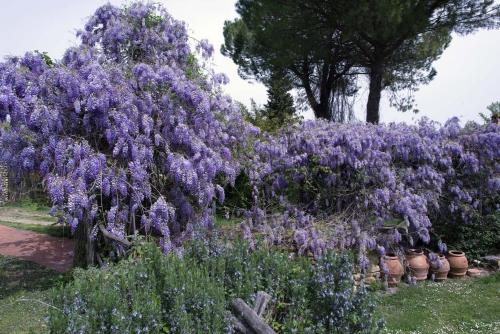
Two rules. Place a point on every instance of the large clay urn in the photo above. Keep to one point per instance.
(441, 272)
(458, 263)
(395, 269)
(418, 264)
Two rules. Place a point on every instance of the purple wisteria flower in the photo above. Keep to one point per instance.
(128, 129)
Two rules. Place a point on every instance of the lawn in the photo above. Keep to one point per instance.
(24, 288)
(30, 216)
(58, 231)
(456, 306)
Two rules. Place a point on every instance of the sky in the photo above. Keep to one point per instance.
(468, 76)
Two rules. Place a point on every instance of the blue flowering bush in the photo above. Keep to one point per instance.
(337, 307)
(378, 185)
(129, 131)
(155, 293)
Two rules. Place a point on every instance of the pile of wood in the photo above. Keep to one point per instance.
(249, 321)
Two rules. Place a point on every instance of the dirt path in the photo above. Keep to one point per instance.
(23, 216)
(54, 253)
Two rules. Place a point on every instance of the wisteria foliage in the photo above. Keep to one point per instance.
(129, 130)
(385, 184)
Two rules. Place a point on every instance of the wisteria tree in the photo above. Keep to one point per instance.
(130, 130)
(375, 187)
(132, 134)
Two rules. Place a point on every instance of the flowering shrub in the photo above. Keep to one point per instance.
(335, 298)
(401, 179)
(153, 293)
(128, 130)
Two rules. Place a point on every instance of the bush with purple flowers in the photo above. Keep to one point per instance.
(150, 292)
(129, 130)
(131, 133)
(405, 181)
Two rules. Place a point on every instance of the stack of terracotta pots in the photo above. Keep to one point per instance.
(372, 274)
(454, 265)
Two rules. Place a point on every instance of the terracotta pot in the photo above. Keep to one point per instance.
(417, 263)
(395, 269)
(476, 272)
(441, 273)
(458, 263)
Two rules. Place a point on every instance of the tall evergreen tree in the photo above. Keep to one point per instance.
(279, 105)
(279, 110)
(323, 44)
(397, 41)
(277, 37)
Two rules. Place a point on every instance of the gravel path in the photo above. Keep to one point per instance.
(54, 253)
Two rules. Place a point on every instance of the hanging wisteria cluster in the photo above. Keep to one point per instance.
(129, 130)
(387, 184)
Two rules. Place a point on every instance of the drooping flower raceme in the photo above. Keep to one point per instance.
(377, 176)
(127, 130)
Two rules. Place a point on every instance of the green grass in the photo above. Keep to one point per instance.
(469, 306)
(28, 205)
(223, 222)
(455, 306)
(53, 230)
(24, 289)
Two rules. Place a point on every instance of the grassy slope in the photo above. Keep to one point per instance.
(53, 230)
(24, 288)
(456, 306)
(29, 206)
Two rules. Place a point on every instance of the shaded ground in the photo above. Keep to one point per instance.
(24, 292)
(458, 306)
(52, 252)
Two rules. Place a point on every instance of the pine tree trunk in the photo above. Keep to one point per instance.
(322, 111)
(373, 105)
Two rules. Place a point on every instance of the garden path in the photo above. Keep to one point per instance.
(48, 251)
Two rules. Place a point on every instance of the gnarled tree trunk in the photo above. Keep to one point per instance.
(84, 254)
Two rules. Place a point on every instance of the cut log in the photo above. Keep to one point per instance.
(250, 317)
(261, 302)
(239, 326)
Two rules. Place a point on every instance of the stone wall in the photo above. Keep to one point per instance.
(4, 186)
